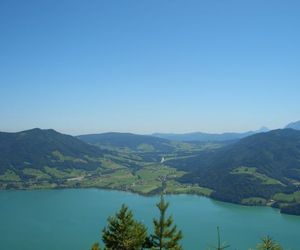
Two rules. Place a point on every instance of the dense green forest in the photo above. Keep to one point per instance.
(258, 169)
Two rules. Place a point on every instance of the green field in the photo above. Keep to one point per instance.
(9, 176)
(253, 172)
(287, 198)
(146, 180)
(254, 201)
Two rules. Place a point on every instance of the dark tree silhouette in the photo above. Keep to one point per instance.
(166, 235)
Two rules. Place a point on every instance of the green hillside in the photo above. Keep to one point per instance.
(250, 171)
(38, 148)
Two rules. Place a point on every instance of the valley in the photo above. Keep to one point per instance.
(262, 169)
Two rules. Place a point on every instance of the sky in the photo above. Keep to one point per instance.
(146, 66)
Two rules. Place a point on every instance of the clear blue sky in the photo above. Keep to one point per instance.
(148, 66)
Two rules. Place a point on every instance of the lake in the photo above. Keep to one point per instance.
(73, 219)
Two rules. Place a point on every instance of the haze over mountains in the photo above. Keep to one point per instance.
(217, 137)
(199, 136)
(294, 125)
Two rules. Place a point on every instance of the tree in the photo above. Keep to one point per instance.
(123, 232)
(220, 246)
(165, 235)
(268, 244)
(96, 247)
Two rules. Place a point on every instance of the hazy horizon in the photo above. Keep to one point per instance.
(149, 66)
(146, 133)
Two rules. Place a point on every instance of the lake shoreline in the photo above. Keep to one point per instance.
(152, 194)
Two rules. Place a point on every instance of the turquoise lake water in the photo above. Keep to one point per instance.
(73, 219)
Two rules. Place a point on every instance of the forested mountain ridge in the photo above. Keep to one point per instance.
(253, 169)
(275, 153)
(37, 148)
(127, 140)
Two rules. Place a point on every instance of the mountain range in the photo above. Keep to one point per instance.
(262, 168)
(229, 136)
(294, 125)
(37, 148)
(205, 137)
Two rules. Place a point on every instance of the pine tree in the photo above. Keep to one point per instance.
(166, 236)
(123, 232)
(220, 246)
(96, 247)
(268, 244)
